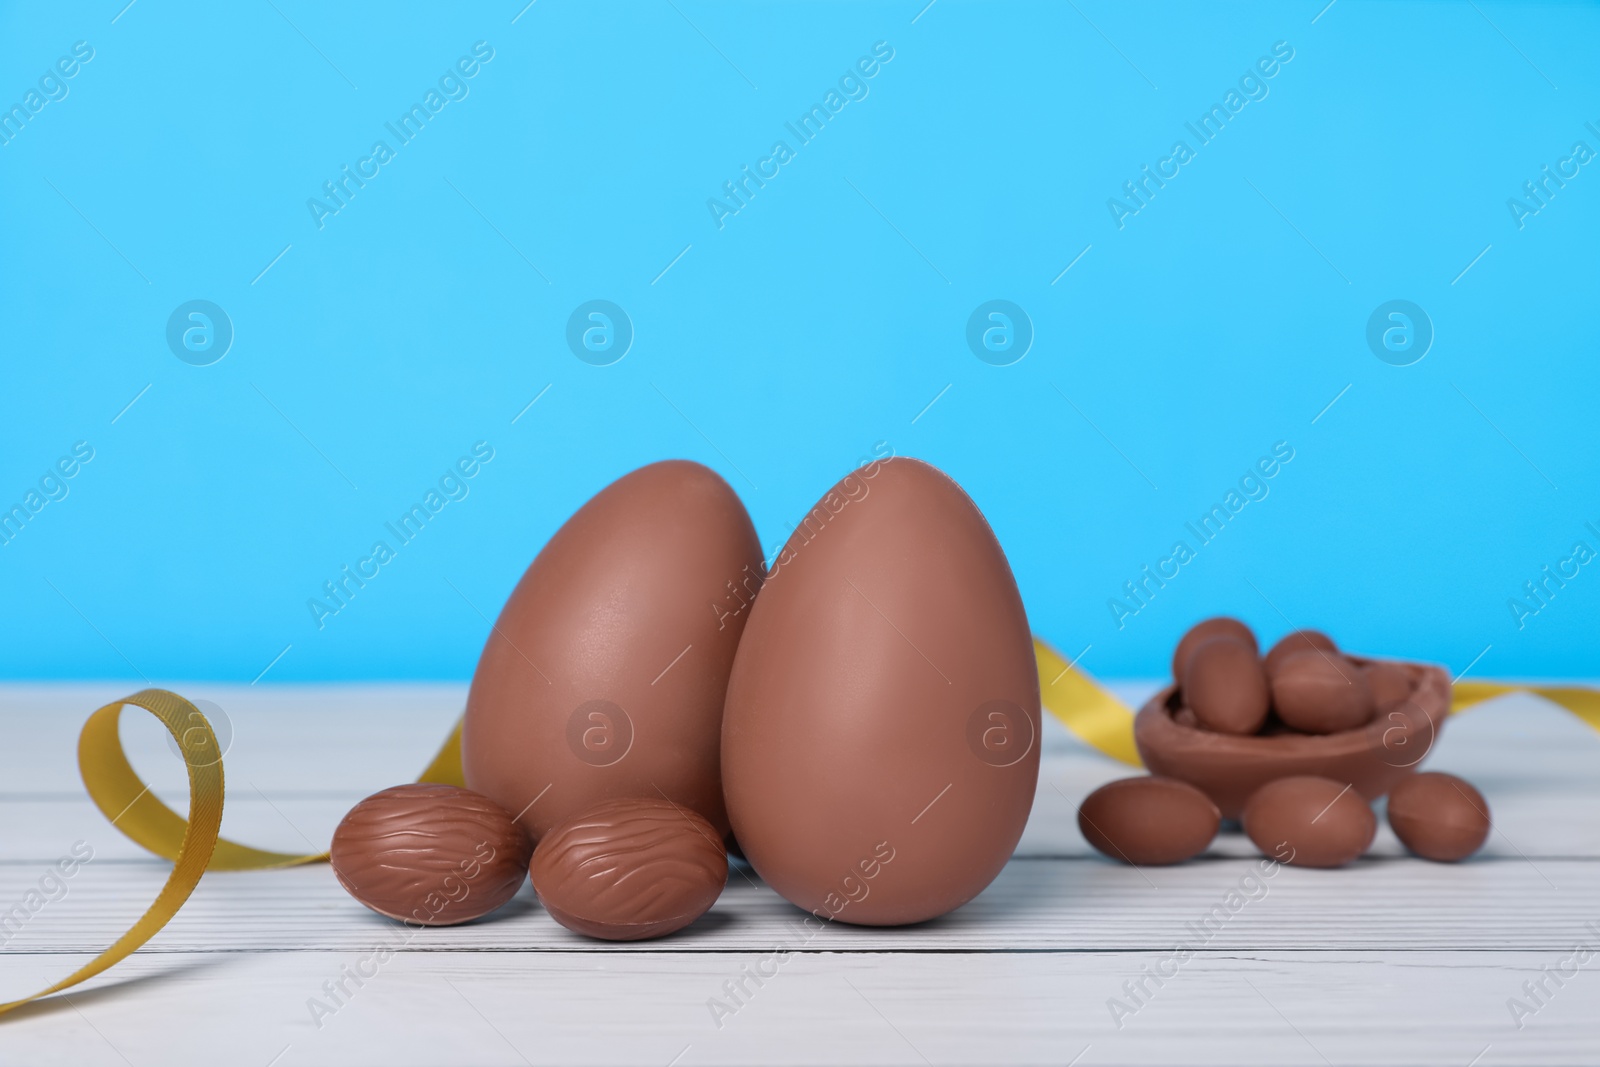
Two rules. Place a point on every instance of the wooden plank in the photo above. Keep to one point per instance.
(890, 1008)
(1090, 904)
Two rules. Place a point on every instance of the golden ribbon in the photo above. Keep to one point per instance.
(117, 790)
(194, 845)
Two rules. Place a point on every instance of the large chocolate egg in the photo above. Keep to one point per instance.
(881, 741)
(604, 676)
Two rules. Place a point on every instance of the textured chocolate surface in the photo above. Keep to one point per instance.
(606, 671)
(1225, 685)
(1310, 821)
(430, 854)
(1320, 692)
(1298, 641)
(1439, 816)
(1148, 820)
(630, 869)
(880, 746)
(1206, 630)
(1228, 768)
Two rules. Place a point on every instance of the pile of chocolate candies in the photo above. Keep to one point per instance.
(1303, 686)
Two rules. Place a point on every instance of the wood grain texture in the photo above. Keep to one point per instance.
(899, 1008)
(1393, 960)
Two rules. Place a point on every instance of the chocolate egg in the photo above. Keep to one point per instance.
(1201, 632)
(880, 744)
(605, 674)
(1321, 692)
(1439, 816)
(1298, 641)
(1390, 683)
(1225, 685)
(630, 869)
(430, 854)
(1149, 821)
(1310, 821)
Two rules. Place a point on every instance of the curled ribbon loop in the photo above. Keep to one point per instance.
(130, 806)
(193, 844)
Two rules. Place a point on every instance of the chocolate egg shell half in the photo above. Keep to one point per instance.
(630, 869)
(1206, 630)
(1298, 641)
(606, 671)
(880, 744)
(1310, 821)
(430, 854)
(1225, 685)
(1321, 692)
(1148, 821)
(1439, 816)
(1228, 768)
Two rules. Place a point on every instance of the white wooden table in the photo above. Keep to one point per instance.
(1393, 960)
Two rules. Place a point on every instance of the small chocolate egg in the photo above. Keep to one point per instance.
(1391, 683)
(1149, 821)
(1224, 683)
(1310, 821)
(1201, 632)
(630, 869)
(1298, 641)
(430, 854)
(1439, 816)
(1321, 692)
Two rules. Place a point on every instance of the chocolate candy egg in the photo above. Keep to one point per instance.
(1201, 632)
(430, 854)
(1298, 641)
(1390, 683)
(606, 671)
(1149, 821)
(630, 869)
(880, 744)
(1439, 816)
(1225, 685)
(1321, 692)
(1310, 821)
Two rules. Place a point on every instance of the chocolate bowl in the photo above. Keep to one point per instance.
(1228, 768)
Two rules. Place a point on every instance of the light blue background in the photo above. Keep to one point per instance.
(1224, 317)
